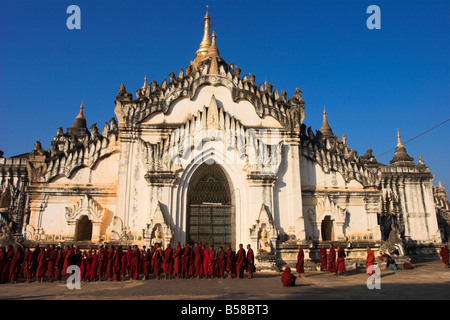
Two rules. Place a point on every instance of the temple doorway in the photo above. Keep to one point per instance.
(327, 229)
(211, 208)
(83, 230)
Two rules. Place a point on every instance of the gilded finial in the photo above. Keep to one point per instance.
(399, 141)
(325, 129)
(206, 40)
(145, 83)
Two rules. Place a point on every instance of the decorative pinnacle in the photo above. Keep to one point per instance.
(206, 40)
(325, 129)
(399, 141)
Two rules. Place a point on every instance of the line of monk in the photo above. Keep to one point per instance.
(110, 263)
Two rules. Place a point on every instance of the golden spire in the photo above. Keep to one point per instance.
(145, 83)
(325, 129)
(399, 142)
(206, 41)
(81, 115)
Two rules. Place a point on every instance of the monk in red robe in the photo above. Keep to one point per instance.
(16, 263)
(146, 264)
(42, 265)
(101, 262)
(444, 256)
(129, 254)
(240, 260)
(68, 260)
(123, 269)
(59, 263)
(26, 265)
(370, 260)
(7, 263)
(135, 263)
(220, 263)
(341, 261)
(231, 263)
(211, 261)
(250, 262)
(109, 263)
(332, 260)
(185, 260)
(176, 256)
(117, 263)
(287, 278)
(323, 258)
(157, 260)
(205, 255)
(34, 262)
(191, 268)
(94, 266)
(168, 262)
(52, 254)
(299, 266)
(198, 260)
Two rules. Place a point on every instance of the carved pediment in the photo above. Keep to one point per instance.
(85, 206)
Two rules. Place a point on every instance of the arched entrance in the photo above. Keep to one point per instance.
(327, 229)
(83, 231)
(211, 207)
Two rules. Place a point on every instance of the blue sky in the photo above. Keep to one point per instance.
(372, 81)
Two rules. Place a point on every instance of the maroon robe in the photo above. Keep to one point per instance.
(156, 261)
(101, 263)
(211, 262)
(168, 261)
(7, 265)
(117, 263)
(250, 261)
(94, 266)
(109, 263)
(42, 266)
(146, 263)
(51, 255)
(26, 265)
(16, 263)
(68, 260)
(370, 260)
(123, 270)
(332, 260)
(240, 262)
(177, 260)
(287, 278)
(444, 255)
(341, 260)
(220, 264)
(198, 261)
(300, 261)
(135, 264)
(231, 263)
(185, 260)
(191, 269)
(59, 262)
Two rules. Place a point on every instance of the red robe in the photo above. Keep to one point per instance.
(211, 262)
(109, 263)
(146, 263)
(205, 261)
(15, 267)
(135, 263)
(177, 260)
(341, 260)
(332, 260)
(198, 260)
(287, 278)
(7, 265)
(101, 263)
(240, 262)
(444, 255)
(250, 261)
(94, 266)
(26, 265)
(300, 261)
(52, 255)
(231, 263)
(68, 260)
(185, 260)
(220, 264)
(123, 270)
(117, 264)
(156, 261)
(168, 261)
(191, 271)
(59, 262)
(370, 260)
(42, 266)
(323, 258)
